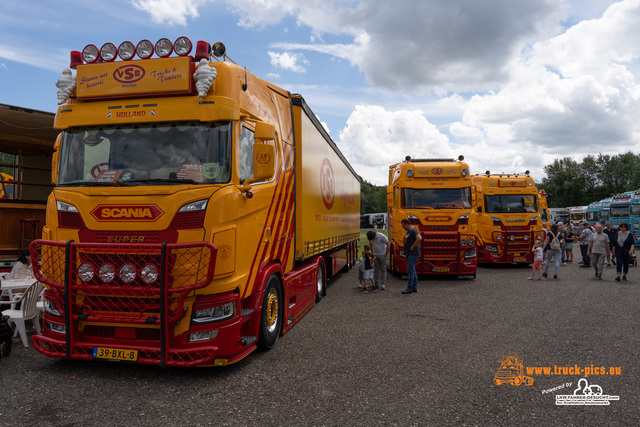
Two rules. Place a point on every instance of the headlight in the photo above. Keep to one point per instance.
(86, 272)
(194, 206)
(499, 237)
(526, 237)
(149, 273)
(491, 248)
(127, 273)
(107, 273)
(213, 314)
(472, 241)
(65, 207)
(50, 308)
(470, 253)
(463, 242)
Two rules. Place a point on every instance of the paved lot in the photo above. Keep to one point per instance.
(375, 359)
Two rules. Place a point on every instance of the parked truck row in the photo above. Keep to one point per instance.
(199, 211)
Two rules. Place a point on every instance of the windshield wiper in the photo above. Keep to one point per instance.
(164, 180)
(93, 184)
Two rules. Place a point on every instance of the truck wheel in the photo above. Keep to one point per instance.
(271, 317)
(320, 282)
(517, 381)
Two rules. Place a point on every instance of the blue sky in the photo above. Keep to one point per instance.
(511, 85)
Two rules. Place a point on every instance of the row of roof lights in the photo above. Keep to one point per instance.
(126, 51)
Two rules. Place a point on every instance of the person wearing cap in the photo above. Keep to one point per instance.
(584, 238)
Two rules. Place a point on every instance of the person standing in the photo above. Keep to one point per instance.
(610, 232)
(584, 238)
(624, 243)
(537, 260)
(598, 250)
(380, 248)
(568, 243)
(412, 241)
(554, 248)
(368, 270)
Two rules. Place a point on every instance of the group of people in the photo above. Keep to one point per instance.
(373, 263)
(599, 245)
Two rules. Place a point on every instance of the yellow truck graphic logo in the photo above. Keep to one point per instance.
(511, 371)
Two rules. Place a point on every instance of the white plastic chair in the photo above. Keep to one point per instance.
(26, 312)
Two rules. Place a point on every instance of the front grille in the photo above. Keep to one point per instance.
(169, 235)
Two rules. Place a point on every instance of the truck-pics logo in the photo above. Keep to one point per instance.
(327, 184)
(147, 213)
(128, 73)
(511, 371)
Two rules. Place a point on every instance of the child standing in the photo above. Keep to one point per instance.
(368, 270)
(361, 272)
(537, 260)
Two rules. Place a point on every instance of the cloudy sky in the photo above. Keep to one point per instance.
(511, 85)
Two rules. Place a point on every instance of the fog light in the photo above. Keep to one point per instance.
(470, 253)
(491, 248)
(54, 327)
(149, 273)
(203, 335)
(526, 238)
(127, 273)
(86, 272)
(107, 273)
(472, 242)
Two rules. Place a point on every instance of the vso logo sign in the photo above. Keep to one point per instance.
(128, 73)
(327, 184)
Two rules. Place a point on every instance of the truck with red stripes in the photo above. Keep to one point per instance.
(436, 196)
(198, 213)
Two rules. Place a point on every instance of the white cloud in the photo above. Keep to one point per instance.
(170, 12)
(374, 138)
(288, 61)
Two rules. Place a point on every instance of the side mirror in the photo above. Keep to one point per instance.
(55, 159)
(264, 164)
(265, 131)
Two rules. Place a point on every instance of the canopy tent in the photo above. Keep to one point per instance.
(25, 129)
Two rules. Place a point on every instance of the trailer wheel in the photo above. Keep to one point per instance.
(271, 317)
(321, 289)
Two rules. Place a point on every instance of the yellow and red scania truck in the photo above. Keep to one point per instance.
(198, 210)
(436, 196)
(508, 218)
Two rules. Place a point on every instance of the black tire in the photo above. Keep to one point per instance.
(321, 289)
(5, 348)
(272, 313)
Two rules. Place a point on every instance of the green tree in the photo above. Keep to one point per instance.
(373, 198)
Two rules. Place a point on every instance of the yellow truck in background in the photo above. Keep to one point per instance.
(436, 196)
(198, 210)
(508, 218)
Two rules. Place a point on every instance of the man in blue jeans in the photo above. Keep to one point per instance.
(412, 240)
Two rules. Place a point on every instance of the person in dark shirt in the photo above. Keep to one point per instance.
(412, 241)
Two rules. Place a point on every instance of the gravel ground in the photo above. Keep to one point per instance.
(374, 359)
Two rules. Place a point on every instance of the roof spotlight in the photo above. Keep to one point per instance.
(219, 49)
(164, 47)
(144, 49)
(108, 52)
(90, 53)
(126, 50)
(182, 46)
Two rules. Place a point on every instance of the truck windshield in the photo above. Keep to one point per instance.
(512, 203)
(619, 211)
(153, 154)
(436, 198)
